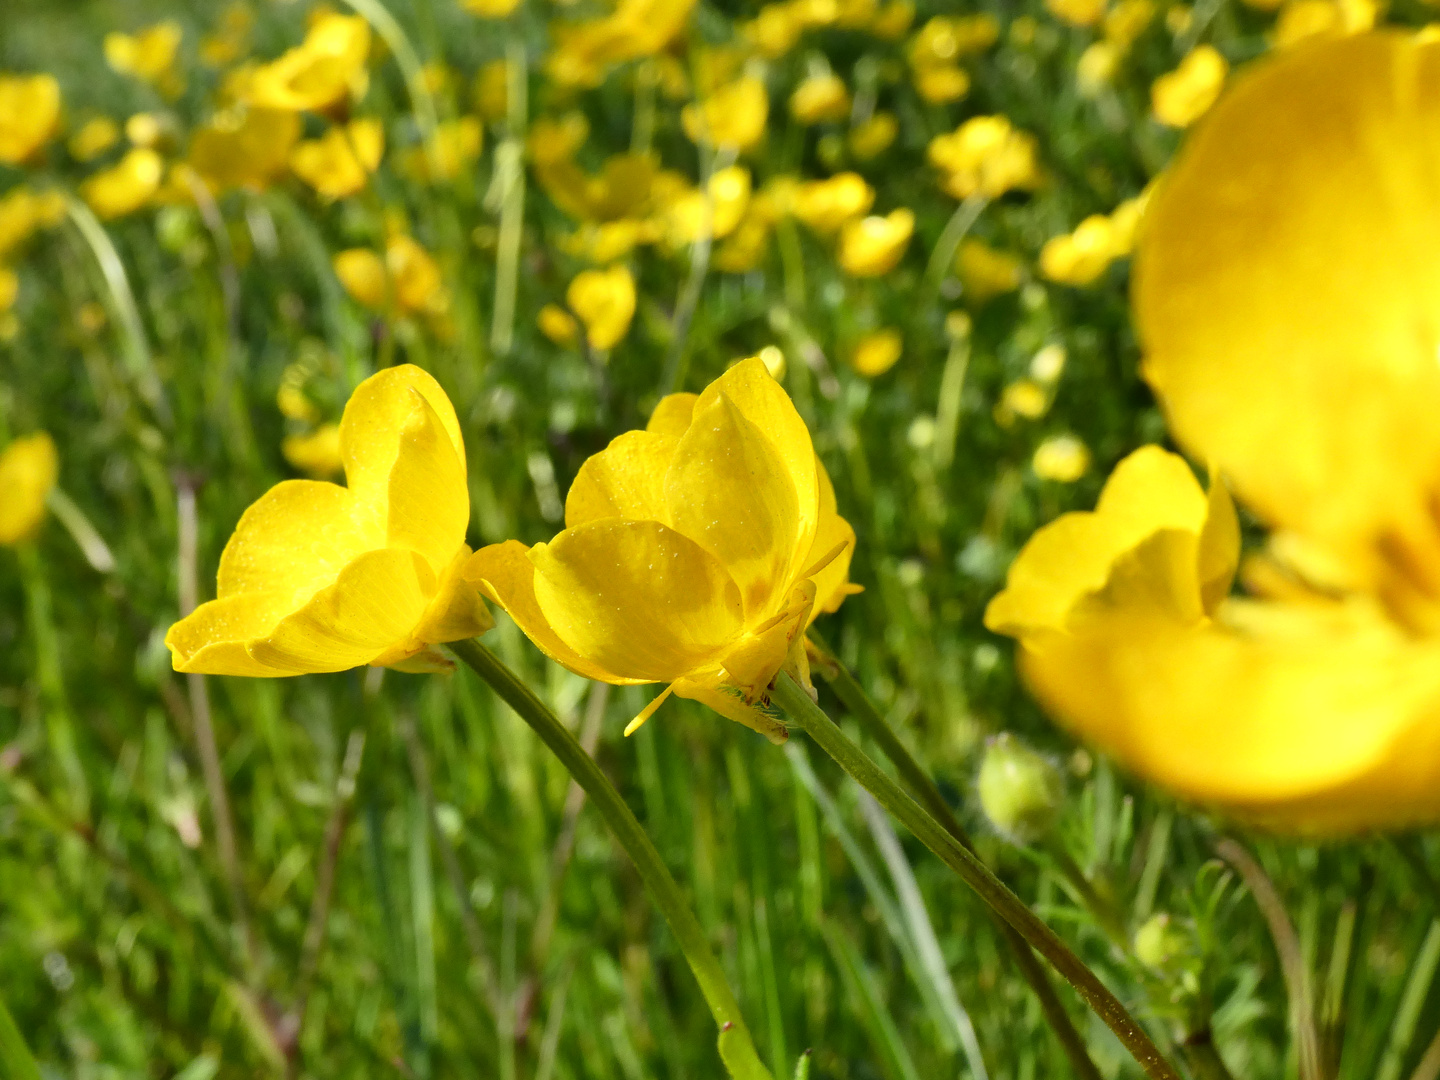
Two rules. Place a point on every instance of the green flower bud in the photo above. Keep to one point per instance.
(1160, 942)
(1020, 790)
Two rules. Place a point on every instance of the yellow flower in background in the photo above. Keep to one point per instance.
(144, 129)
(604, 300)
(1126, 21)
(695, 553)
(1096, 68)
(326, 68)
(29, 115)
(774, 31)
(316, 454)
(127, 186)
(1077, 12)
(985, 156)
(877, 352)
(557, 324)
(872, 246)
(692, 214)
(1080, 257)
(1062, 458)
(408, 275)
(148, 55)
(1183, 96)
(892, 20)
(585, 50)
(986, 272)
(490, 9)
(339, 163)
(871, 138)
(1284, 297)
(231, 38)
(23, 211)
(819, 99)
(93, 138)
(9, 288)
(453, 148)
(319, 577)
(732, 117)
(1301, 20)
(826, 205)
(28, 469)
(244, 147)
(1024, 398)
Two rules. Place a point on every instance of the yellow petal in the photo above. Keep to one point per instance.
(375, 417)
(637, 598)
(429, 502)
(626, 479)
(729, 491)
(211, 640)
(832, 583)
(1287, 719)
(1286, 289)
(672, 416)
(1150, 491)
(708, 690)
(752, 664)
(28, 468)
(1219, 545)
(505, 574)
(456, 612)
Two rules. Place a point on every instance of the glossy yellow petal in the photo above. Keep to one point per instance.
(428, 503)
(729, 490)
(1286, 289)
(1150, 492)
(637, 598)
(456, 611)
(375, 417)
(832, 583)
(211, 639)
(1219, 545)
(752, 663)
(672, 416)
(28, 468)
(626, 479)
(505, 574)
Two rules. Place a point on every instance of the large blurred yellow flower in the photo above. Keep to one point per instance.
(695, 552)
(1286, 299)
(733, 116)
(148, 54)
(126, 186)
(339, 163)
(28, 468)
(985, 156)
(327, 67)
(319, 577)
(872, 246)
(244, 147)
(29, 115)
(408, 276)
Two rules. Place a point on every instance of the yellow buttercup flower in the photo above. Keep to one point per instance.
(604, 300)
(1313, 704)
(873, 245)
(1096, 68)
(877, 352)
(244, 147)
(125, 187)
(826, 205)
(819, 99)
(636, 28)
(29, 115)
(985, 272)
(1080, 257)
(1077, 12)
(22, 211)
(9, 288)
(557, 324)
(1301, 20)
(326, 68)
(871, 138)
(892, 20)
(732, 117)
(1062, 458)
(317, 454)
(148, 55)
(690, 215)
(339, 163)
(319, 577)
(695, 553)
(985, 156)
(408, 275)
(490, 9)
(93, 138)
(28, 469)
(1183, 96)
(453, 148)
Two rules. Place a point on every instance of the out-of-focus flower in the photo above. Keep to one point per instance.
(1303, 19)
(695, 553)
(231, 38)
(1182, 96)
(1077, 12)
(491, 91)
(743, 249)
(936, 50)
(9, 288)
(871, 138)
(877, 352)
(148, 55)
(326, 68)
(584, 51)
(28, 469)
(408, 275)
(319, 577)
(453, 148)
(1080, 257)
(732, 117)
(23, 211)
(826, 205)
(604, 300)
(774, 30)
(125, 187)
(316, 454)
(1048, 364)
(941, 85)
(692, 214)
(892, 20)
(144, 129)
(1095, 70)
(985, 156)
(1062, 458)
(1022, 399)
(244, 147)
(490, 9)
(872, 246)
(93, 138)
(29, 115)
(339, 163)
(557, 324)
(820, 99)
(985, 272)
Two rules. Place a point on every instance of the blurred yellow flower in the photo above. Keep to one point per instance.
(28, 469)
(877, 352)
(326, 68)
(339, 163)
(148, 55)
(408, 275)
(9, 288)
(826, 205)
(319, 577)
(125, 187)
(871, 138)
(985, 156)
(1023, 398)
(733, 117)
(892, 20)
(692, 215)
(985, 272)
(244, 147)
(1127, 20)
(774, 30)
(29, 115)
(557, 324)
(942, 84)
(231, 37)
(1301, 20)
(22, 211)
(93, 138)
(1062, 458)
(144, 129)
(820, 98)
(316, 454)
(1080, 257)
(745, 247)
(873, 245)
(604, 300)
(1314, 704)
(1183, 96)
(1077, 12)
(695, 553)
(453, 148)
(1095, 70)
(585, 50)
(491, 91)
(490, 9)
(946, 39)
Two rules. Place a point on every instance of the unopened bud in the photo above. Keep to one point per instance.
(1160, 942)
(1020, 790)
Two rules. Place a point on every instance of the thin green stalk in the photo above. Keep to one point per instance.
(924, 791)
(422, 102)
(737, 1049)
(944, 254)
(812, 720)
(509, 188)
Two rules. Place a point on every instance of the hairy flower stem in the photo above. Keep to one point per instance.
(737, 1049)
(923, 790)
(811, 719)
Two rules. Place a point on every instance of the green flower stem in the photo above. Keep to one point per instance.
(923, 790)
(810, 718)
(737, 1049)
